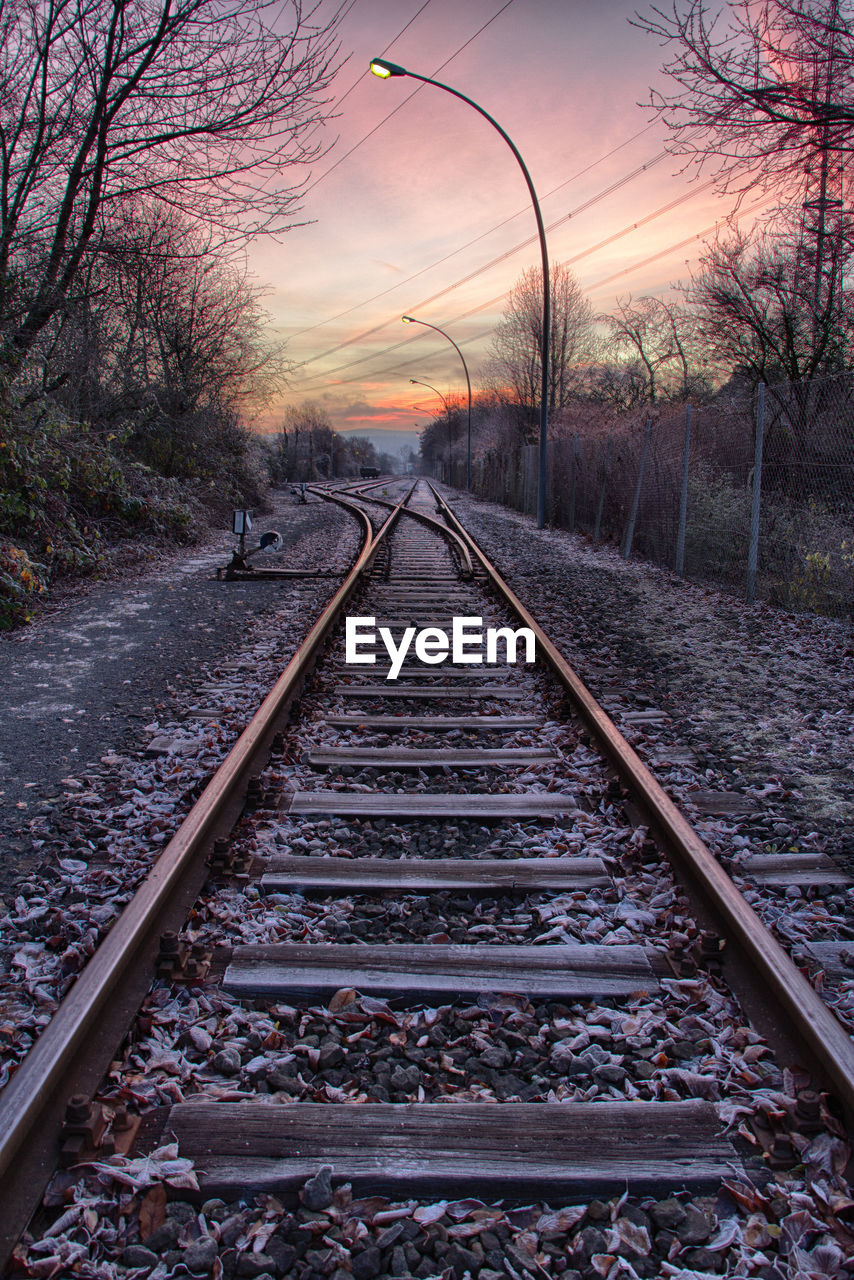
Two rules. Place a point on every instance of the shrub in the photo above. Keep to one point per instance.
(66, 493)
(21, 580)
(718, 526)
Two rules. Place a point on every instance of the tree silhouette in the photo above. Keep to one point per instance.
(195, 104)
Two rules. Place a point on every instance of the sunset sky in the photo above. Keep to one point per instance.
(429, 215)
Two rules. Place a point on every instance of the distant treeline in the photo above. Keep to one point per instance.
(307, 448)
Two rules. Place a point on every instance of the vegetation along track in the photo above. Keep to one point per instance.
(401, 901)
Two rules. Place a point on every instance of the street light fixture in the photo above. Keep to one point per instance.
(385, 70)
(436, 329)
(418, 383)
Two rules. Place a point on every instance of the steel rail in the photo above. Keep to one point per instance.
(431, 522)
(803, 1020)
(33, 1102)
(354, 490)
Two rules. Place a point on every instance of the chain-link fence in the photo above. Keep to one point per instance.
(755, 491)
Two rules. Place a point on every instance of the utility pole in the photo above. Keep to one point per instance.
(828, 184)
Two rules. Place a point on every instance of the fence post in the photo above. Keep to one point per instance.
(573, 482)
(630, 531)
(598, 525)
(753, 548)
(549, 488)
(683, 497)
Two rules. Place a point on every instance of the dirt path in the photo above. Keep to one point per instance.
(87, 677)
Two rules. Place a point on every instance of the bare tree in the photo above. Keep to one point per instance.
(765, 94)
(446, 430)
(691, 364)
(311, 421)
(162, 340)
(635, 330)
(361, 452)
(514, 365)
(764, 87)
(754, 307)
(660, 341)
(197, 104)
(618, 386)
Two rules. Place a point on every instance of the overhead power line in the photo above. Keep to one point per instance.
(364, 74)
(427, 359)
(731, 219)
(559, 222)
(402, 104)
(585, 253)
(482, 236)
(493, 262)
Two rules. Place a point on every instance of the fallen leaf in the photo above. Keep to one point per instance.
(342, 997)
(152, 1212)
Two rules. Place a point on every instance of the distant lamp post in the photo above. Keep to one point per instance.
(418, 383)
(385, 70)
(436, 329)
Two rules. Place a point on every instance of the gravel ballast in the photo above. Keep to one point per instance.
(765, 698)
(187, 662)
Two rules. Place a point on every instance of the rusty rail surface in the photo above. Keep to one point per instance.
(793, 1010)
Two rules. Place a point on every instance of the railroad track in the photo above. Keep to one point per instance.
(402, 900)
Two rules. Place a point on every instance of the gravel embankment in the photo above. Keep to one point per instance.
(764, 698)
(687, 1039)
(719, 699)
(87, 675)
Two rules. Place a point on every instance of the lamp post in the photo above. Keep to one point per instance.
(436, 329)
(384, 69)
(418, 383)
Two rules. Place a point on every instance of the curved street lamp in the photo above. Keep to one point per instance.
(418, 383)
(384, 69)
(436, 329)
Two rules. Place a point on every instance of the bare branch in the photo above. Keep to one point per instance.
(198, 104)
(761, 88)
